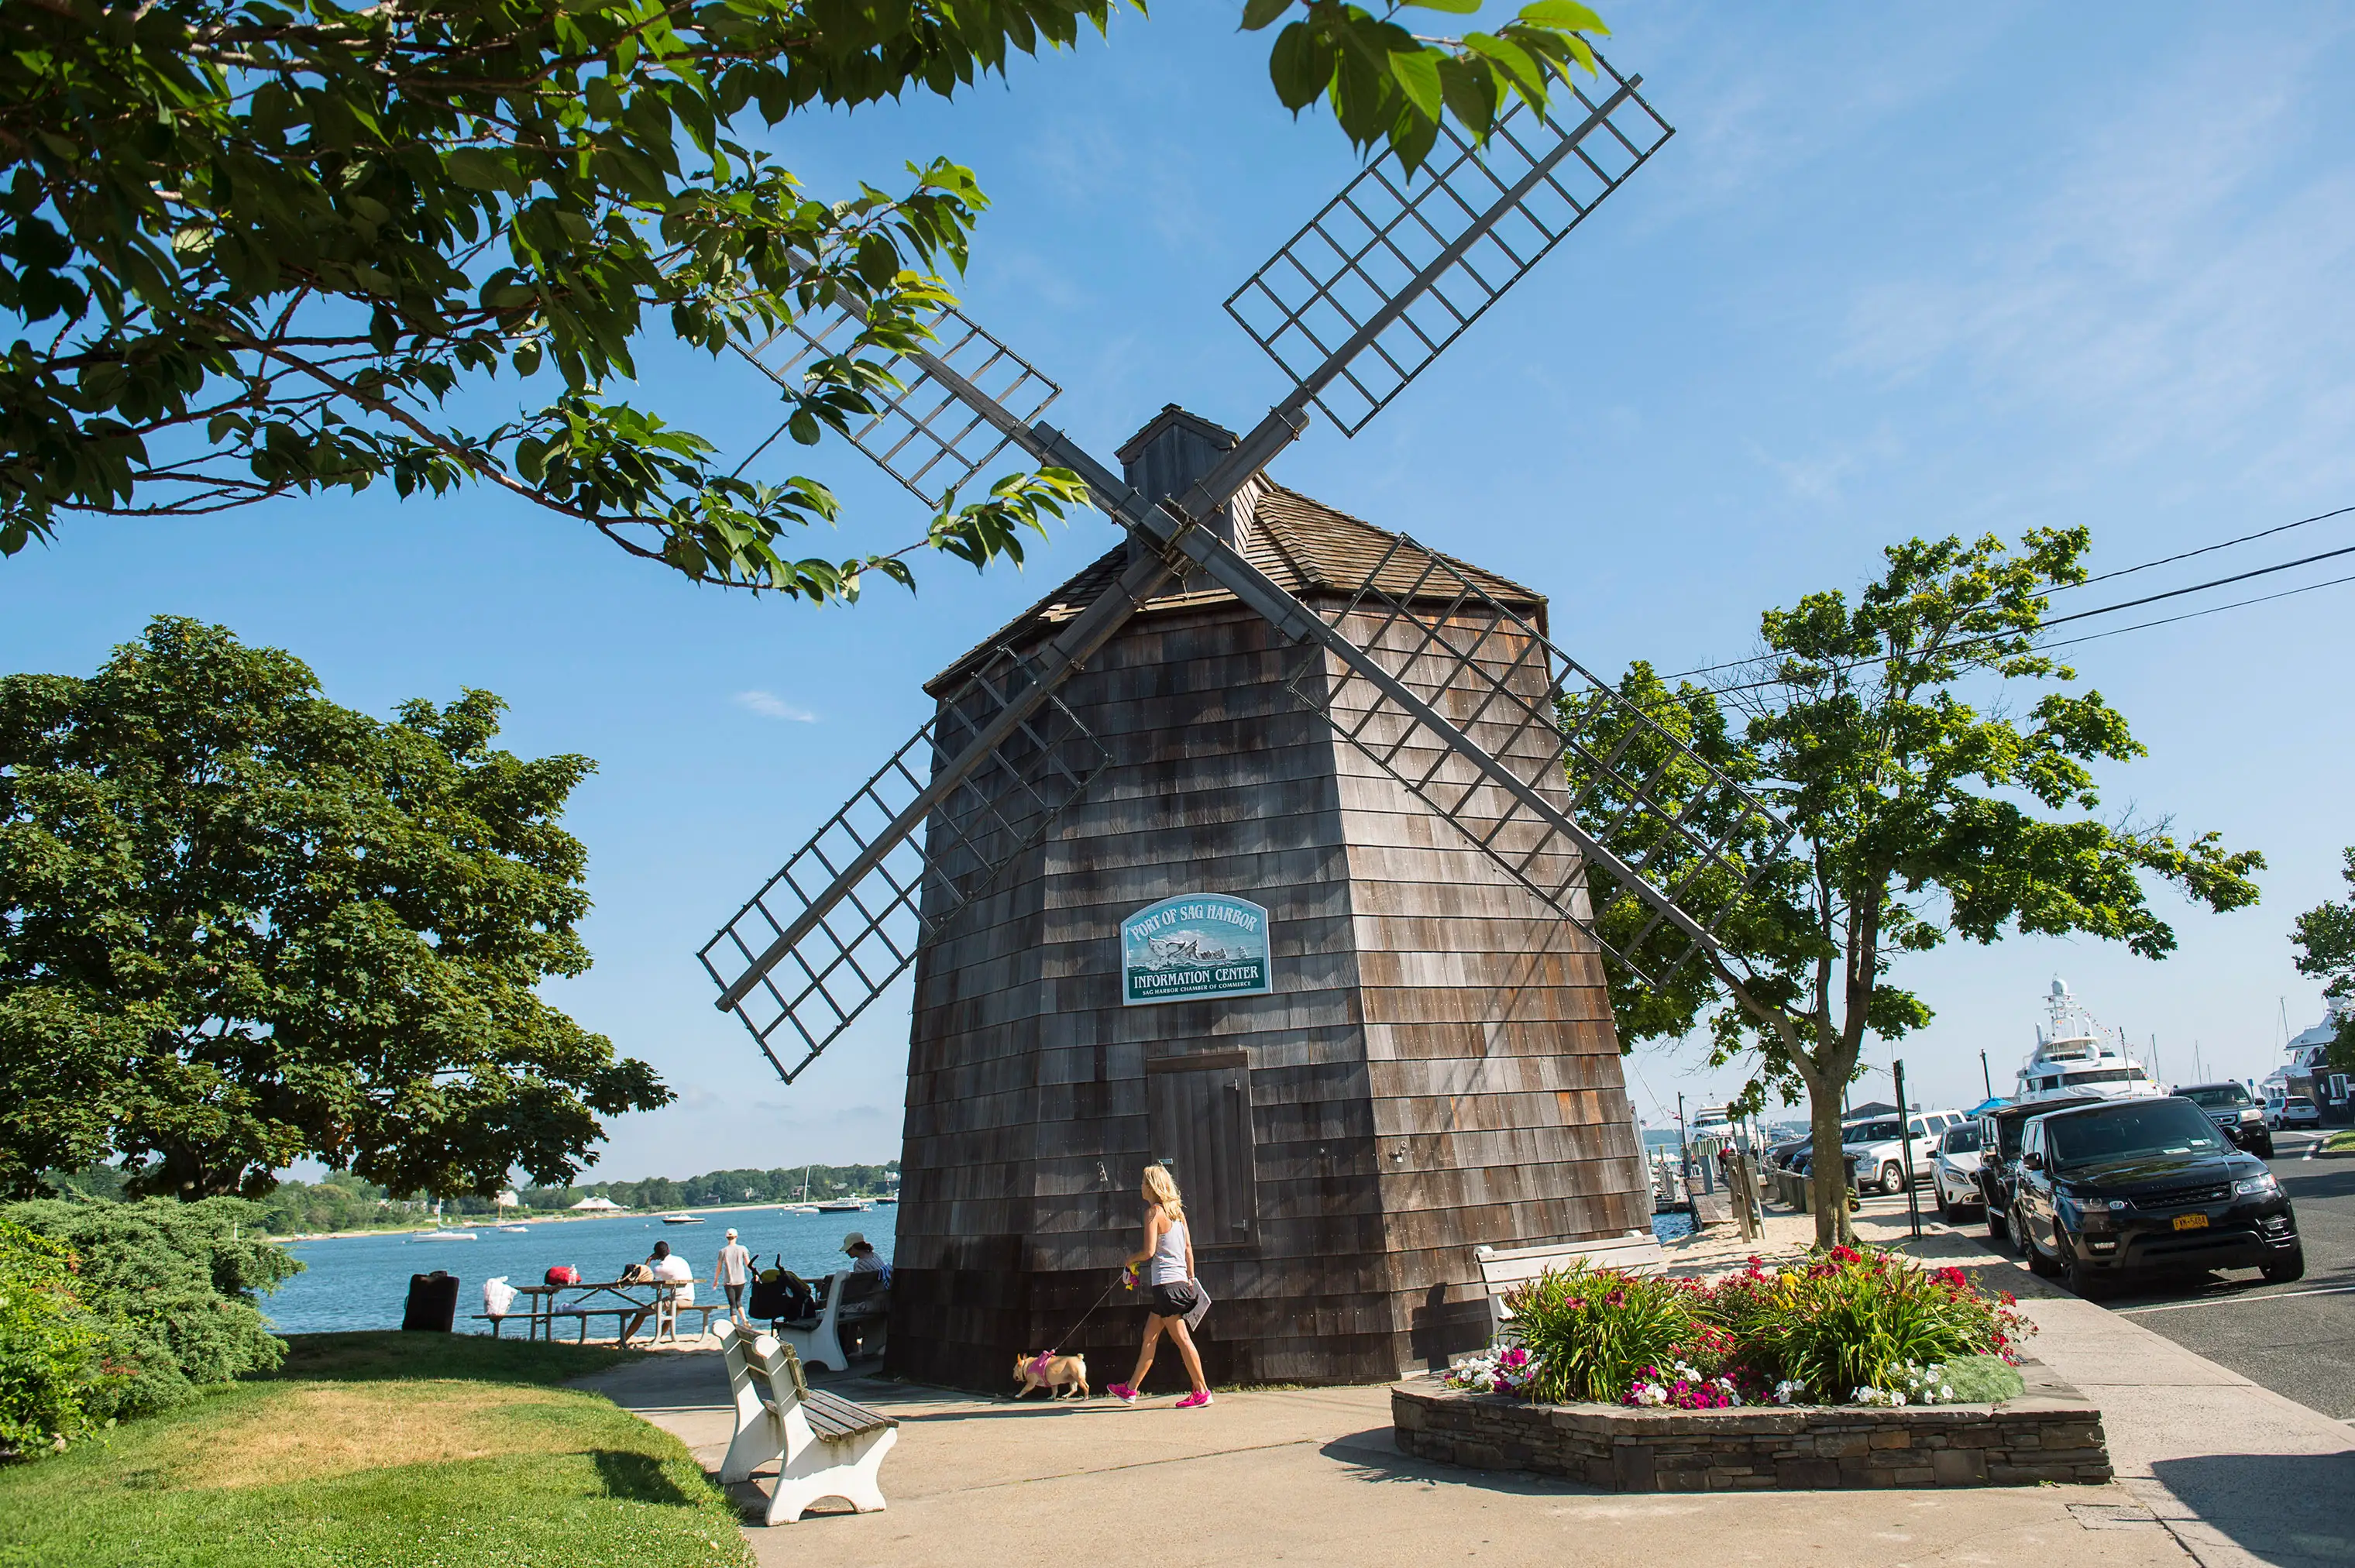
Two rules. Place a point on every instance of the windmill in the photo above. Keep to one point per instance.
(1437, 679)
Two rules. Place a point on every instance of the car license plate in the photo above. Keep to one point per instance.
(2192, 1221)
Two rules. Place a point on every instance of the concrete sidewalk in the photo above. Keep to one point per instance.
(2213, 1468)
(2236, 1472)
(1310, 1476)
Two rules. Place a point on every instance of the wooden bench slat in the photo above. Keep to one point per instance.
(836, 1418)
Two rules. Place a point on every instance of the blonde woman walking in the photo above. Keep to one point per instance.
(1171, 1293)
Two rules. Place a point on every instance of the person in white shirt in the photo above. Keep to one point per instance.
(735, 1266)
(667, 1269)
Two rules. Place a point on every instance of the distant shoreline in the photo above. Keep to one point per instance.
(489, 1222)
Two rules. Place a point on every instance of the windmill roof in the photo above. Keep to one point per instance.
(1306, 547)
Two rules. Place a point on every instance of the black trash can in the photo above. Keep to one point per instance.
(432, 1302)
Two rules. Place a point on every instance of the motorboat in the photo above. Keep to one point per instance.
(682, 1219)
(889, 1200)
(842, 1206)
(441, 1236)
(516, 1230)
(2076, 1056)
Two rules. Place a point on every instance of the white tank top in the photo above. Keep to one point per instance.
(1169, 1256)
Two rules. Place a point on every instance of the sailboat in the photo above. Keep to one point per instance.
(437, 1233)
(805, 1206)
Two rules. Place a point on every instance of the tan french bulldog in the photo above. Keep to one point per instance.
(1045, 1369)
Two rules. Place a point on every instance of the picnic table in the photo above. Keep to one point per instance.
(540, 1306)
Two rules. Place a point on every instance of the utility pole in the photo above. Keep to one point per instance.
(1905, 1146)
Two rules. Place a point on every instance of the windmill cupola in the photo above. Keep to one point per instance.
(1172, 451)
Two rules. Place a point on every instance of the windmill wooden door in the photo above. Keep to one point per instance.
(1200, 1118)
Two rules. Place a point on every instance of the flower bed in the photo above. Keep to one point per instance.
(2047, 1433)
(1857, 1369)
(1848, 1327)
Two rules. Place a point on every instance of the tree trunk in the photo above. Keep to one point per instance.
(1827, 1170)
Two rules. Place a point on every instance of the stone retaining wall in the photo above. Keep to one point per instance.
(2049, 1433)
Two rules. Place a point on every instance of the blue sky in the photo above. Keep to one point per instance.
(1900, 271)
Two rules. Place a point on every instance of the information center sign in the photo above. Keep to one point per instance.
(1192, 946)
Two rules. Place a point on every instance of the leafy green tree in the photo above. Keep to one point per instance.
(178, 1288)
(241, 925)
(2325, 935)
(55, 1379)
(1920, 816)
(255, 249)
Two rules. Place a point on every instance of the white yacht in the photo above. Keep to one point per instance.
(2307, 1056)
(2075, 1056)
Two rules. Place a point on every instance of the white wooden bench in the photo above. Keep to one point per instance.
(818, 1341)
(1505, 1269)
(824, 1446)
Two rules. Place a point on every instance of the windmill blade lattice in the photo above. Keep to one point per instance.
(1687, 838)
(924, 435)
(799, 989)
(1474, 219)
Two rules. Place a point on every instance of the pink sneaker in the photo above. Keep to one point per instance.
(1196, 1399)
(1123, 1393)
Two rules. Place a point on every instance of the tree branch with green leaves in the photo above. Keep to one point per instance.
(254, 250)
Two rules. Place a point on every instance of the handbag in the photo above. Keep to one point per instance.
(1200, 1308)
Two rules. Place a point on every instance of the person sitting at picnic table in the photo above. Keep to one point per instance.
(662, 1268)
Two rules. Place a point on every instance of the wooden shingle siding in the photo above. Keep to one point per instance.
(1435, 1068)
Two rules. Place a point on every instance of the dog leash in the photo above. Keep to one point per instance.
(1091, 1312)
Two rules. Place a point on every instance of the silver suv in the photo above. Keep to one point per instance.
(1878, 1146)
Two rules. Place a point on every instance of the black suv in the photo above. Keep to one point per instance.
(2123, 1186)
(2235, 1113)
(2001, 1131)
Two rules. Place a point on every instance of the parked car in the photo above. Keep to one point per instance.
(2295, 1111)
(2235, 1113)
(2125, 1187)
(1955, 1174)
(2000, 1134)
(1878, 1146)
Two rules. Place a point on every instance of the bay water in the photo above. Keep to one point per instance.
(361, 1282)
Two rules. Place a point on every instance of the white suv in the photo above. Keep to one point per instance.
(1879, 1149)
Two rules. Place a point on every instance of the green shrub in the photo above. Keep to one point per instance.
(53, 1364)
(1594, 1329)
(175, 1286)
(1853, 1320)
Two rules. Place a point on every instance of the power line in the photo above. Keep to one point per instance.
(2201, 586)
(2115, 630)
(2125, 571)
(2203, 550)
(2195, 614)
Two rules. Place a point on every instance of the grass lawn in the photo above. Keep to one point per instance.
(2341, 1142)
(415, 1450)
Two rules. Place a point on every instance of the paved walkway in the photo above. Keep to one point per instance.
(2213, 1469)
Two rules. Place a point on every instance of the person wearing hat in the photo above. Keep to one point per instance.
(862, 1255)
(735, 1266)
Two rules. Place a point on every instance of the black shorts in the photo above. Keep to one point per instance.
(1175, 1300)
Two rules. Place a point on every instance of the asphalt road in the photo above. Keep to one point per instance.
(2298, 1340)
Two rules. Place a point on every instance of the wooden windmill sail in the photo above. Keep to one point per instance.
(1260, 701)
